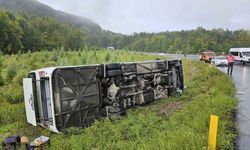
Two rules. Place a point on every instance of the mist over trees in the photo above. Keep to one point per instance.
(21, 32)
(35, 8)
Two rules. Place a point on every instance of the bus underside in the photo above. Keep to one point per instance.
(82, 94)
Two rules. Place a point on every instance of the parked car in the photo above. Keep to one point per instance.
(219, 61)
(207, 56)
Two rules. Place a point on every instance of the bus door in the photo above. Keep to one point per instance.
(46, 102)
(29, 100)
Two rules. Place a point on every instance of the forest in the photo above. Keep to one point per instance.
(22, 33)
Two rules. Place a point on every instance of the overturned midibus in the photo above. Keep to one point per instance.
(74, 96)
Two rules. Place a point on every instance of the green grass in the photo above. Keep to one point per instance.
(174, 123)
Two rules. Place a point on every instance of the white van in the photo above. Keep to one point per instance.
(241, 54)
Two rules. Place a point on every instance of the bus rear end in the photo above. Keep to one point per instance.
(38, 99)
(62, 97)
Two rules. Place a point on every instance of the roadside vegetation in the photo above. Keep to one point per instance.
(179, 122)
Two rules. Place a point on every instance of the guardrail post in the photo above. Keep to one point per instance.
(213, 132)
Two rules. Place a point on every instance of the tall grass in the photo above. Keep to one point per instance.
(185, 127)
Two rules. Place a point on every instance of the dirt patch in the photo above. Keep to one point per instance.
(169, 108)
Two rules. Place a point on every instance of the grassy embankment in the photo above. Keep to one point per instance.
(172, 123)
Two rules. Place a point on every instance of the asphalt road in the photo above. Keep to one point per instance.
(241, 79)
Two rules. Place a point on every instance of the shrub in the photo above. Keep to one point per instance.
(10, 113)
(63, 62)
(1, 68)
(74, 61)
(107, 57)
(19, 76)
(12, 93)
(1, 79)
(29, 52)
(11, 71)
(83, 59)
(73, 131)
(54, 56)
(19, 53)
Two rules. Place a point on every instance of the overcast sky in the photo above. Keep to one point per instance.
(128, 16)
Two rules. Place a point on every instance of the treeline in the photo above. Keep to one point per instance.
(192, 41)
(22, 32)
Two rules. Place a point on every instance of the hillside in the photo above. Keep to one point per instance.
(35, 8)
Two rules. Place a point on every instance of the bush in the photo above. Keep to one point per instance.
(83, 59)
(1, 68)
(11, 71)
(10, 113)
(107, 57)
(1, 79)
(12, 93)
(19, 76)
(54, 56)
(74, 61)
(94, 54)
(63, 62)
(73, 131)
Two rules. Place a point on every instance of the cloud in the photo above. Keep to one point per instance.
(128, 16)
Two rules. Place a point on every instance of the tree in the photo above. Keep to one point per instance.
(10, 33)
(139, 45)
